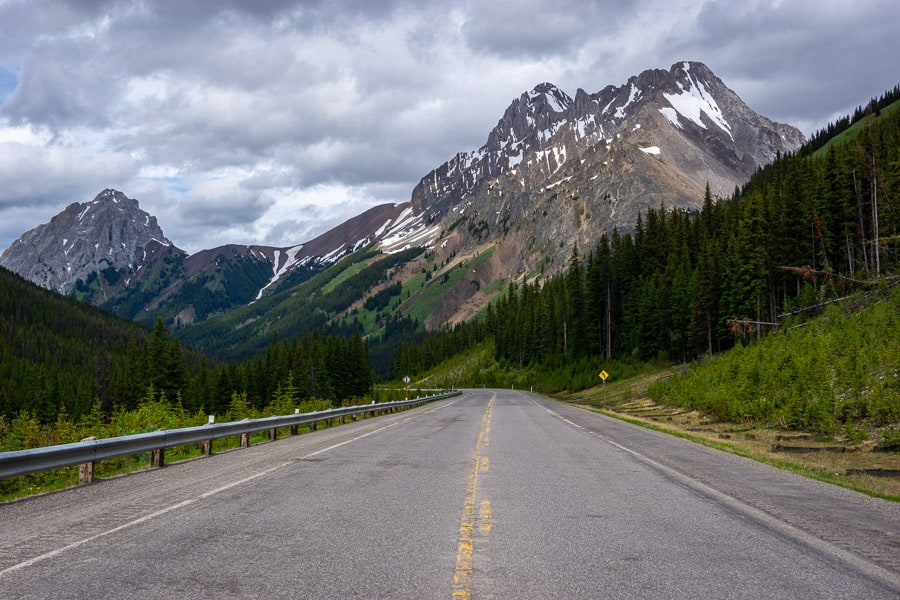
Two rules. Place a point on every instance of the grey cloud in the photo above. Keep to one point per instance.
(308, 221)
(222, 207)
(537, 28)
(271, 99)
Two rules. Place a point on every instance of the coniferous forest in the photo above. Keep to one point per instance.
(60, 356)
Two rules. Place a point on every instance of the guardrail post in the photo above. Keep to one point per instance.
(86, 470)
(245, 440)
(273, 434)
(158, 458)
(206, 445)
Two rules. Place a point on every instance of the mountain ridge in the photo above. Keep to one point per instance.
(555, 173)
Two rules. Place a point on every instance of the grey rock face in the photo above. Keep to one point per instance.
(109, 231)
(686, 116)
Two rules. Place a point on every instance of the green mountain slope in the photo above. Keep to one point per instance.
(319, 302)
(55, 351)
(835, 374)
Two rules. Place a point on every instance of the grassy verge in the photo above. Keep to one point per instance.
(852, 465)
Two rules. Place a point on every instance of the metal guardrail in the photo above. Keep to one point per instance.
(85, 453)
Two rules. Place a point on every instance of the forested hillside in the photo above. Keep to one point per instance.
(62, 359)
(837, 374)
(56, 351)
(805, 229)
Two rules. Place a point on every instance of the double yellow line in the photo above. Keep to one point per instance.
(462, 576)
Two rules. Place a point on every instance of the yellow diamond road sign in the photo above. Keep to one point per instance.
(604, 375)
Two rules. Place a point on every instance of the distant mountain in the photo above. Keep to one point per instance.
(555, 172)
(559, 171)
(685, 118)
(214, 281)
(111, 253)
(108, 234)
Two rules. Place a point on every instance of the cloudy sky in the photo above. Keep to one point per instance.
(269, 121)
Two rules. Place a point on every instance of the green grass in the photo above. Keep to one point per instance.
(343, 276)
(429, 298)
(852, 132)
(841, 370)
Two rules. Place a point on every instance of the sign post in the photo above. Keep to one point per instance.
(406, 380)
(603, 376)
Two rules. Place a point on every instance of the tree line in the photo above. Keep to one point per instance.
(330, 367)
(874, 107)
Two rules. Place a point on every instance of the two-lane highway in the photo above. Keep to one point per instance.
(493, 494)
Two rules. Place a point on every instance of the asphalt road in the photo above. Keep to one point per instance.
(493, 494)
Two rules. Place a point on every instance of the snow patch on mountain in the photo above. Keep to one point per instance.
(408, 230)
(278, 270)
(633, 94)
(693, 101)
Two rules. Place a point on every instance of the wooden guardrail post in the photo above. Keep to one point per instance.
(206, 445)
(86, 470)
(245, 440)
(273, 434)
(158, 458)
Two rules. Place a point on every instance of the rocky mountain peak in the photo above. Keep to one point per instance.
(547, 96)
(686, 115)
(109, 231)
(558, 171)
(534, 112)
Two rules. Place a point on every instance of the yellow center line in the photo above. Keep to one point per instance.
(462, 576)
(484, 516)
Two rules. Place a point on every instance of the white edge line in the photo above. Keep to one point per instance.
(826, 548)
(182, 504)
